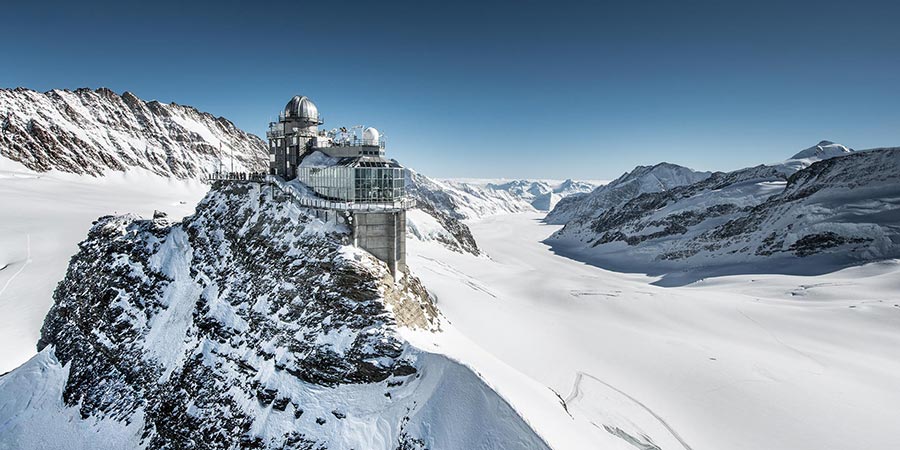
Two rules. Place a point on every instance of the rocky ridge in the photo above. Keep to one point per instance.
(94, 131)
(643, 179)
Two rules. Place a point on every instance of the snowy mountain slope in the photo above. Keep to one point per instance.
(837, 211)
(819, 152)
(249, 324)
(642, 179)
(446, 203)
(92, 132)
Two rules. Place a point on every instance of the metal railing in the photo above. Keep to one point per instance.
(308, 201)
(354, 141)
(321, 203)
(257, 177)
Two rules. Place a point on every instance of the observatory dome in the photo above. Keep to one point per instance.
(371, 136)
(301, 107)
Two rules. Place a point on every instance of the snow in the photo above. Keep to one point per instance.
(42, 219)
(455, 409)
(823, 150)
(167, 340)
(737, 362)
(423, 226)
(31, 401)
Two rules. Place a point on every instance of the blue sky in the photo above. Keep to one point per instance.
(488, 89)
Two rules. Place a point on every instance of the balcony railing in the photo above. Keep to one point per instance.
(358, 142)
(321, 203)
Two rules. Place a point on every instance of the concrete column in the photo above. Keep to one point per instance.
(383, 234)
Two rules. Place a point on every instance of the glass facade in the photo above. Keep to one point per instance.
(356, 184)
(378, 184)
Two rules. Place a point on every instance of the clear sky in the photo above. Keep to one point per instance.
(534, 89)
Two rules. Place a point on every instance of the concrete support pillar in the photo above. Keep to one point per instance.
(383, 234)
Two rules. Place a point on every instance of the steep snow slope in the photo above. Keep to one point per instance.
(835, 212)
(739, 362)
(250, 324)
(91, 132)
(643, 179)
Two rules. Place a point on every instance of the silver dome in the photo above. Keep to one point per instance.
(301, 107)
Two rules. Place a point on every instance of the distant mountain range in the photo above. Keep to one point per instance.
(828, 204)
(641, 180)
(446, 203)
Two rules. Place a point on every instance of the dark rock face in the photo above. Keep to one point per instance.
(190, 323)
(89, 132)
(818, 242)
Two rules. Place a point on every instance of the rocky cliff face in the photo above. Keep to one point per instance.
(842, 210)
(248, 325)
(89, 132)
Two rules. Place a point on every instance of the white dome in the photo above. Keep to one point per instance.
(371, 136)
(302, 107)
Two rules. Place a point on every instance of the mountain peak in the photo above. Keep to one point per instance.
(823, 150)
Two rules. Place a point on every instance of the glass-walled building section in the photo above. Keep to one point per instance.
(329, 182)
(355, 184)
(381, 184)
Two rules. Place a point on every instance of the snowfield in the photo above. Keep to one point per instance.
(736, 362)
(42, 219)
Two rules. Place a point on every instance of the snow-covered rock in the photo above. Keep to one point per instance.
(436, 216)
(641, 180)
(248, 325)
(94, 131)
(837, 211)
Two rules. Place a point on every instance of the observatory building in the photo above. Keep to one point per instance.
(347, 169)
